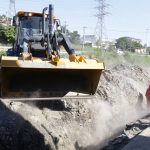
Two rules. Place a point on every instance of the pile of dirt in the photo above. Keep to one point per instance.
(76, 124)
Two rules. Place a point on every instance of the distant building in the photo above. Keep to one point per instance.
(5, 21)
(138, 50)
(141, 51)
(89, 40)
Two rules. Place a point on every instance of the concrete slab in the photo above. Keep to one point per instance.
(140, 142)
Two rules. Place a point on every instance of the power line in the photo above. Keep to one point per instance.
(4, 1)
(126, 31)
(41, 2)
(4, 8)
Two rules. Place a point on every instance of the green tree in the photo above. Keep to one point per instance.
(111, 46)
(128, 43)
(148, 50)
(74, 37)
(3, 18)
(65, 30)
(7, 33)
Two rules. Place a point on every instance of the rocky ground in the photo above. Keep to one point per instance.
(77, 124)
(129, 133)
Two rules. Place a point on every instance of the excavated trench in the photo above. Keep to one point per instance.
(77, 124)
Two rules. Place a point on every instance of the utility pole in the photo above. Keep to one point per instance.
(65, 28)
(7, 18)
(11, 11)
(101, 13)
(83, 42)
(147, 32)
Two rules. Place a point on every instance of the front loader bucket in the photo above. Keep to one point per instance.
(36, 79)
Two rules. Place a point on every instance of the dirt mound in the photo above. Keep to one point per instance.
(76, 124)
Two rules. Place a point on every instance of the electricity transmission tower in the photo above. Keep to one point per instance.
(12, 10)
(100, 25)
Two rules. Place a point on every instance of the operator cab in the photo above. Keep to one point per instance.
(29, 32)
(31, 25)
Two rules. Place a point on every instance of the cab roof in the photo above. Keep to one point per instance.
(24, 13)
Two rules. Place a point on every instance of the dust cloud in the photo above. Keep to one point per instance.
(121, 101)
(110, 120)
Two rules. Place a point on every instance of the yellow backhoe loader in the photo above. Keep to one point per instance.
(33, 68)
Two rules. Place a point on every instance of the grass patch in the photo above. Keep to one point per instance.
(137, 59)
(111, 58)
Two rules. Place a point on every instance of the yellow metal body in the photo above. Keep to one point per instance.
(41, 78)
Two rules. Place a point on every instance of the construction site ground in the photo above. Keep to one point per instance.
(109, 121)
(135, 136)
(141, 141)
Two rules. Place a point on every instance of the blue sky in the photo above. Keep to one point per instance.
(126, 18)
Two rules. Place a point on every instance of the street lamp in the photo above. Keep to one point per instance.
(83, 42)
(147, 32)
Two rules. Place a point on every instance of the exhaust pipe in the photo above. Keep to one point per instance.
(44, 12)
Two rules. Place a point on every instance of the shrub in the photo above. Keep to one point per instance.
(7, 33)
